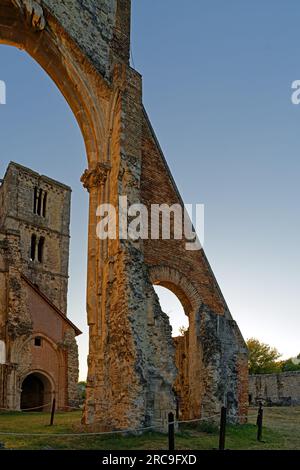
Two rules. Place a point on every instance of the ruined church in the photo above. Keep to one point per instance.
(137, 374)
(38, 350)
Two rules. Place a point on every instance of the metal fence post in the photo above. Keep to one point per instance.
(52, 412)
(259, 422)
(222, 428)
(171, 429)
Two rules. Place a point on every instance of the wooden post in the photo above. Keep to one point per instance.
(222, 428)
(52, 412)
(171, 429)
(259, 422)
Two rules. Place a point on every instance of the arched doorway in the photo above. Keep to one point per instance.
(36, 392)
(179, 322)
(180, 300)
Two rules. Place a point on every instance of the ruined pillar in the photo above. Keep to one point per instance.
(131, 357)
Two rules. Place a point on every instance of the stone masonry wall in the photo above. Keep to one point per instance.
(3, 284)
(212, 362)
(97, 27)
(71, 348)
(275, 389)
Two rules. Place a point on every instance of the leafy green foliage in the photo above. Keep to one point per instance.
(291, 365)
(81, 387)
(262, 358)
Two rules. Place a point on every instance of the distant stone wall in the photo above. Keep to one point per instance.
(275, 389)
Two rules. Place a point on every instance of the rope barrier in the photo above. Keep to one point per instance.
(37, 408)
(27, 409)
(124, 431)
(209, 418)
(76, 434)
(88, 434)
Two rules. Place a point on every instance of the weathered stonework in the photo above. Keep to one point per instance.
(95, 177)
(39, 341)
(33, 13)
(69, 344)
(18, 215)
(132, 377)
(275, 389)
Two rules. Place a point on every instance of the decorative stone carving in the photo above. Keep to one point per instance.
(96, 176)
(33, 12)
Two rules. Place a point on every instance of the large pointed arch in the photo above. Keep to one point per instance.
(71, 71)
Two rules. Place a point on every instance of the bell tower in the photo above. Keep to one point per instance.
(38, 208)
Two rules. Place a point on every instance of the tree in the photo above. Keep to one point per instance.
(262, 358)
(182, 330)
(291, 365)
(81, 387)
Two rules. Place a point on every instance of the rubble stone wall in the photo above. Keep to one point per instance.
(275, 389)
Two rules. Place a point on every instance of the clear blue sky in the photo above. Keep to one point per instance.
(217, 86)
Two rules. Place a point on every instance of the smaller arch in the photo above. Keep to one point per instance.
(20, 351)
(37, 391)
(18, 346)
(177, 283)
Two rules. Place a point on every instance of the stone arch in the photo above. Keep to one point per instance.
(179, 284)
(21, 349)
(70, 70)
(21, 343)
(188, 350)
(43, 401)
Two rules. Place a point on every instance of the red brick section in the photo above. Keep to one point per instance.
(157, 188)
(43, 310)
(51, 325)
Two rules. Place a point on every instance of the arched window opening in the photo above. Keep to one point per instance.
(35, 200)
(33, 247)
(38, 341)
(171, 305)
(39, 202)
(41, 249)
(44, 204)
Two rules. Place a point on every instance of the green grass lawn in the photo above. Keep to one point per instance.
(281, 431)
